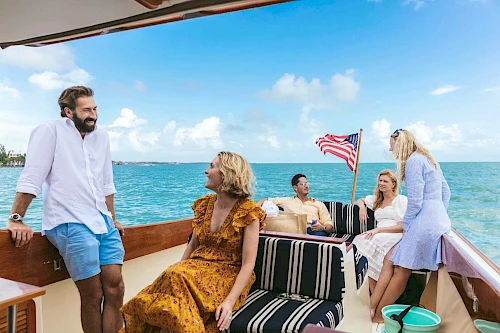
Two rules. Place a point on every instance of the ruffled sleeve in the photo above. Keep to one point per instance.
(369, 201)
(199, 208)
(399, 204)
(249, 211)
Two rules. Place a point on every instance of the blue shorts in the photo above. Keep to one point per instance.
(85, 252)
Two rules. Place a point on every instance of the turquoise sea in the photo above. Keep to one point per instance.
(162, 192)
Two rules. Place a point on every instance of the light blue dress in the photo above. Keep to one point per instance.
(426, 218)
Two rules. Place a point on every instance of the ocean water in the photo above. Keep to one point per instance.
(163, 192)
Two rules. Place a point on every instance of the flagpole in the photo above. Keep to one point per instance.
(356, 169)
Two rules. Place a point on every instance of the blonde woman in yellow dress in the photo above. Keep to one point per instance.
(213, 278)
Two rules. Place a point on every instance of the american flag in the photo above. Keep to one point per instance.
(343, 146)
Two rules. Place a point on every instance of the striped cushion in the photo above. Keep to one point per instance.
(361, 266)
(264, 312)
(353, 226)
(348, 238)
(335, 210)
(300, 267)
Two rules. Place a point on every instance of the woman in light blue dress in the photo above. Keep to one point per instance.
(425, 221)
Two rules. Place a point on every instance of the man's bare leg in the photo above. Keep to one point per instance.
(382, 283)
(91, 299)
(393, 291)
(113, 289)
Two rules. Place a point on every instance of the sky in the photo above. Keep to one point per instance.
(267, 82)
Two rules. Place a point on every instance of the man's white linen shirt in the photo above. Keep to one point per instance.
(76, 174)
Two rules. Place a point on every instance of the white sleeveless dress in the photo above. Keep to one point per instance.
(376, 248)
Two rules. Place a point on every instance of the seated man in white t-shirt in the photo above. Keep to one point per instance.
(319, 221)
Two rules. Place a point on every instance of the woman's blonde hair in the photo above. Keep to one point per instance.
(405, 145)
(379, 196)
(238, 179)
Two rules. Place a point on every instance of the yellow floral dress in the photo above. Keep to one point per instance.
(183, 299)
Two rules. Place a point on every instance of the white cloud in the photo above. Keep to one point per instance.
(345, 88)
(127, 130)
(114, 140)
(417, 3)
(314, 94)
(310, 125)
(381, 129)
(143, 142)
(439, 138)
(444, 90)
(271, 140)
(15, 130)
(141, 86)
(53, 80)
(57, 57)
(206, 133)
(6, 90)
(492, 89)
(170, 126)
(127, 119)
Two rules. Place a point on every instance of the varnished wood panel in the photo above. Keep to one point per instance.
(14, 292)
(34, 263)
(25, 321)
(484, 288)
(150, 238)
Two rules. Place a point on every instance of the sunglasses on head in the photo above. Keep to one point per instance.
(396, 133)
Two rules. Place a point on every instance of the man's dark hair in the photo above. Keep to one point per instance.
(295, 179)
(69, 96)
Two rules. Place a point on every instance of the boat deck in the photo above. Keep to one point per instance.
(377, 328)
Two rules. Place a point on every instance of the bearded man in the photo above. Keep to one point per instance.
(69, 162)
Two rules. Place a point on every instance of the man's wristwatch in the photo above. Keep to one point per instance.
(16, 217)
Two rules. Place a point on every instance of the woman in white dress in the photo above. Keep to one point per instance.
(389, 208)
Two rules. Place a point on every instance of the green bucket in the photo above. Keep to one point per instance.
(416, 320)
(487, 326)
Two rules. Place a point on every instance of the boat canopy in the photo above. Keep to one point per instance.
(38, 23)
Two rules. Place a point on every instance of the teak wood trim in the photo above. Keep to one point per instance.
(25, 319)
(35, 262)
(145, 239)
(484, 288)
(19, 293)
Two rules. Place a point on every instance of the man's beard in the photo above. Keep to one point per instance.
(82, 126)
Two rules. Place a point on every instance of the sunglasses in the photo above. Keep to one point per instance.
(396, 133)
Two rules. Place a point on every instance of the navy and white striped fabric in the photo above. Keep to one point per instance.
(263, 311)
(348, 238)
(300, 267)
(346, 224)
(361, 266)
(335, 210)
(350, 214)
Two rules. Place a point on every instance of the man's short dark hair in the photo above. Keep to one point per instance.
(295, 179)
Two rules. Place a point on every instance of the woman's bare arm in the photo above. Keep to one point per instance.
(193, 244)
(250, 246)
